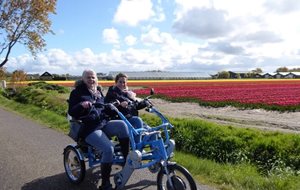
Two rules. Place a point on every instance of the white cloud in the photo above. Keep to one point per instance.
(130, 40)
(152, 37)
(160, 15)
(110, 35)
(251, 31)
(282, 6)
(86, 58)
(19, 62)
(132, 12)
(57, 57)
(204, 23)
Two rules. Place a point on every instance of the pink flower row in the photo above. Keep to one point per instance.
(270, 94)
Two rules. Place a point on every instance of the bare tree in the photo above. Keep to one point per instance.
(2, 73)
(18, 76)
(24, 22)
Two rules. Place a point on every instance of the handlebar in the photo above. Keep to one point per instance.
(145, 101)
(112, 106)
(100, 105)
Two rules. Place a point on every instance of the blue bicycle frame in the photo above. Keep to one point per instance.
(151, 138)
(148, 138)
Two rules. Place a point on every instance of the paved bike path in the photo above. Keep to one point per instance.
(31, 159)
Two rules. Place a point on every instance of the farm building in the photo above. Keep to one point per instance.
(46, 76)
(160, 75)
(293, 75)
(279, 75)
(267, 75)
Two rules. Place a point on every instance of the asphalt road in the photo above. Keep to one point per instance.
(31, 159)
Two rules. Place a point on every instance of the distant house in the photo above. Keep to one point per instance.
(277, 75)
(215, 76)
(46, 76)
(101, 75)
(280, 75)
(33, 76)
(258, 75)
(268, 75)
(293, 75)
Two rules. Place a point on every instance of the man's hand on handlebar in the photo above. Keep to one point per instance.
(86, 104)
(124, 104)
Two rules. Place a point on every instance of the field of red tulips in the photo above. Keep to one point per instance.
(278, 94)
(282, 93)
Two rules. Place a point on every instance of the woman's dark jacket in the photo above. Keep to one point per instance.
(91, 119)
(114, 93)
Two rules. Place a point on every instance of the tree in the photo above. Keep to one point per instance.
(282, 69)
(295, 70)
(2, 73)
(18, 76)
(251, 74)
(223, 75)
(24, 22)
(257, 70)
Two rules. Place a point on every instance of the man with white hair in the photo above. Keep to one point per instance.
(97, 129)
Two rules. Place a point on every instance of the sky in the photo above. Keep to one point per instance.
(206, 36)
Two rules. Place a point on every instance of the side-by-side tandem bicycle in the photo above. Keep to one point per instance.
(150, 147)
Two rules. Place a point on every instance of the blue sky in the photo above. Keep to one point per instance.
(205, 36)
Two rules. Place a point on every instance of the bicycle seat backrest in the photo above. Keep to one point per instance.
(75, 128)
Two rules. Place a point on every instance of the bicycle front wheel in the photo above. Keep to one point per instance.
(178, 178)
(74, 167)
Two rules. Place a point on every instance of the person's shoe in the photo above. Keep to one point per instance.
(106, 187)
(105, 176)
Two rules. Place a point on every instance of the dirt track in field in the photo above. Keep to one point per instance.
(253, 118)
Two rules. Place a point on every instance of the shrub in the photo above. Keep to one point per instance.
(52, 87)
(43, 95)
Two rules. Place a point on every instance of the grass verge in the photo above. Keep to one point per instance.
(235, 177)
(46, 117)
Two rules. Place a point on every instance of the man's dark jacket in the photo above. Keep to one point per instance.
(91, 119)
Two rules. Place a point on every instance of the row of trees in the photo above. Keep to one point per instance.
(285, 69)
(20, 75)
(15, 77)
(250, 74)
